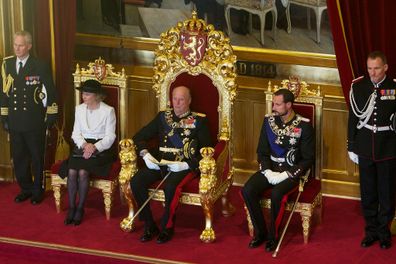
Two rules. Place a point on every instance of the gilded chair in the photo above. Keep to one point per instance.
(318, 6)
(114, 83)
(194, 54)
(253, 7)
(308, 103)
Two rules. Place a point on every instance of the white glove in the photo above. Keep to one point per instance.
(279, 178)
(270, 175)
(353, 157)
(178, 166)
(150, 161)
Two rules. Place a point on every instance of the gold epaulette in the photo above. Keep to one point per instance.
(4, 111)
(199, 114)
(52, 109)
(357, 79)
(303, 118)
(8, 57)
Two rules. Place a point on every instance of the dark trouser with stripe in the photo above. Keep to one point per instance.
(27, 152)
(252, 193)
(377, 187)
(141, 182)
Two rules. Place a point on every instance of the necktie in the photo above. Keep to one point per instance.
(20, 67)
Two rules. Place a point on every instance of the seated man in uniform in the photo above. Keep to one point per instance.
(181, 134)
(285, 152)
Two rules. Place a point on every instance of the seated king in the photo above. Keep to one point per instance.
(181, 134)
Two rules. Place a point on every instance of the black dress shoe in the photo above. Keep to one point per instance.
(165, 235)
(22, 197)
(36, 199)
(368, 241)
(385, 243)
(70, 216)
(270, 246)
(149, 233)
(78, 216)
(256, 242)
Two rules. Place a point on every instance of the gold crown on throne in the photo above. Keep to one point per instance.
(294, 85)
(100, 69)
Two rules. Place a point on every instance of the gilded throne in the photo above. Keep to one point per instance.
(194, 54)
(114, 83)
(308, 103)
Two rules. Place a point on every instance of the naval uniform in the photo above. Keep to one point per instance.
(28, 107)
(176, 135)
(371, 137)
(288, 146)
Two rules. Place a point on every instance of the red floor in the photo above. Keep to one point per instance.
(336, 240)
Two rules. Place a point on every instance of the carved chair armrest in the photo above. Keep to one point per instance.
(213, 167)
(128, 159)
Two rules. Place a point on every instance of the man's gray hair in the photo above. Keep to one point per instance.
(25, 34)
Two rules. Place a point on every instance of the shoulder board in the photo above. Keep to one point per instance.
(304, 119)
(357, 79)
(198, 114)
(9, 57)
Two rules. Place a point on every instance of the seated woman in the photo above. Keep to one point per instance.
(93, 135)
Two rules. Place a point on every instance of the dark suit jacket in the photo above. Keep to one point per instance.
(22, 105)
(364, 142)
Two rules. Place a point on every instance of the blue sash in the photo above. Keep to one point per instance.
(275, 148)
(175, 138)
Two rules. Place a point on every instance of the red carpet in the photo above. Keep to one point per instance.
(47, 240)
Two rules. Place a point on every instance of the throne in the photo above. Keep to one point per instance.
(114, 83)
(195, 55)
(308, 103)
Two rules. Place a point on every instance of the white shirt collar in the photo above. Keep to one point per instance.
(24, 60)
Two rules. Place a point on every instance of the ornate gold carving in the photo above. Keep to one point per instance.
(207, 166)
(128, 160)
(225, 130)
(218, 62)
(208, 235)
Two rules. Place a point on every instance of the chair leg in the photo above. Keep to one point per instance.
(250, 23)
(108, 200)
(58, 197)
(274, 21)
(227, 209)
(127, 223)
(262, 28)
(227, 18)
(306, 223)
(208, 235)
(318, 13)
(249, 221)
(288, 18)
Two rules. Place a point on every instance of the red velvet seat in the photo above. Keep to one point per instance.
(195, 55)
(308, 104)
(114, 83)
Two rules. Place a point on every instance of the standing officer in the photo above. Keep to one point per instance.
(372, 145)
(181, 135)
(285, 152)
(28, 108)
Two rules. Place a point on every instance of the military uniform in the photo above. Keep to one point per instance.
(180, 139)
(371, 137)
(282, 147)
(28, 105)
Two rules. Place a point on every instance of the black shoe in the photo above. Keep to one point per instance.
(256, 242)
(270, 246)
(70, 216)
(78, 216)
(368, 241)
(165, 235)
(36, 199)
(22, 197)
(149, 233)
(385, 243)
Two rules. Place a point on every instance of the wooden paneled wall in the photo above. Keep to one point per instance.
(339, 174)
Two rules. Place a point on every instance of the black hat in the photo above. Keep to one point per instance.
(91, 86)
